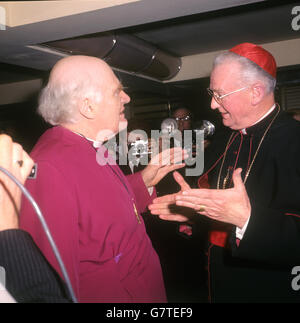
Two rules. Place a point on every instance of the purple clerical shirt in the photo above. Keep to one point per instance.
(89, 209)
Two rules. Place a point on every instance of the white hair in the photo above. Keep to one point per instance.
(251, 72)
(58, 101)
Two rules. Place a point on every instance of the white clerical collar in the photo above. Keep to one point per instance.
(244, 131)
(96, 144)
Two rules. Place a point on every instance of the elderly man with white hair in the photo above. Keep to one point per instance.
(250, 187)
(92, 209)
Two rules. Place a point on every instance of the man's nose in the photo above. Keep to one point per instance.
(214, 104)
(125, 98)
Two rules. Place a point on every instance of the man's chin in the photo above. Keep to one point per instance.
(227, 122)
(231, 126)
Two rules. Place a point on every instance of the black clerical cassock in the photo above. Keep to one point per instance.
(257, 268)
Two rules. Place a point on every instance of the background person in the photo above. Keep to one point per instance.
(183, 117)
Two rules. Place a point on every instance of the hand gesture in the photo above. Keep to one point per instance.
(164, 206)
(229, 205)
(162, 164)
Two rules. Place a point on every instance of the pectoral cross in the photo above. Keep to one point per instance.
(137, 214)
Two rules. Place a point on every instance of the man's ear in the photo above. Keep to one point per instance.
(87, 109)
(258, 92)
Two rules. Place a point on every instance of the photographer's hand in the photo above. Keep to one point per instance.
(15, 160)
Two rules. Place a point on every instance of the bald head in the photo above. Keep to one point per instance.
(72, 79)
(84, 95)
(78, 69)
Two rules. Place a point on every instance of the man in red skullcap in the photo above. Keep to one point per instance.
(250, 187)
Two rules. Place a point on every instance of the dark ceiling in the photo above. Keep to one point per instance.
(262, 22)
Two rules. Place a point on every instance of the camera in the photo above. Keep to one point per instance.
(139, 148)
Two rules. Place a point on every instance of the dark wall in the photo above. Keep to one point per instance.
(22, 123)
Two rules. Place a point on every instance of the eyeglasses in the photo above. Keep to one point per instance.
(183, 118)
(218, 98)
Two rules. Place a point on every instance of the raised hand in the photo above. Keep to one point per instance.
(229, 205)
(162, 164)
(164, 206)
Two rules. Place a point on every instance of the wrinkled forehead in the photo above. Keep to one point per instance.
(77, 69)
(110, 81)
(227, 74)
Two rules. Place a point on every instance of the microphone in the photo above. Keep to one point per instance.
(207, 127)
(168, 126)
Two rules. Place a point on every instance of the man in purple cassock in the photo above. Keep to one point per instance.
(91, 208)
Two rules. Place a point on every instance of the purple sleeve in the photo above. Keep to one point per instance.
(57, 201)
(141, 192)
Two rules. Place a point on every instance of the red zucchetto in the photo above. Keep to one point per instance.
(258, 55)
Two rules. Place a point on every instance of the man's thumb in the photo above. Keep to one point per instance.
(180, 180)
(237, 178)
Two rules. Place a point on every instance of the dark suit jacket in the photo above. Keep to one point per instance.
(29, 277)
